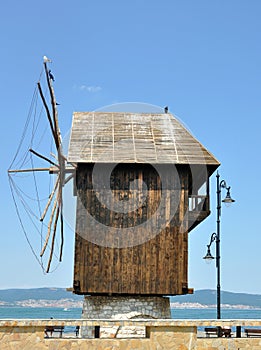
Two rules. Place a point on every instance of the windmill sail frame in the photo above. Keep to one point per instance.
(59, 168)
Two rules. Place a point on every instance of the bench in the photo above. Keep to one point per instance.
(54, 329)
(210, 331)
(253, 332)
(214, 331)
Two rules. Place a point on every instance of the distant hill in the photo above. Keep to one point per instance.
(208, 297)
(204, 297)
(11, 296)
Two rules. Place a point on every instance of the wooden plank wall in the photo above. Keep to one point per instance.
(157, 266)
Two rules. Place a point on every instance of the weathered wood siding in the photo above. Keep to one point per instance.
(156, 266)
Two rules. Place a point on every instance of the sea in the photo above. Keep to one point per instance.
(75, 313)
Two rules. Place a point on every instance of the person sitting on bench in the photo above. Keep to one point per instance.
(49, 329)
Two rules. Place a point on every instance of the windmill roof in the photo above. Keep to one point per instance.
(108, 137)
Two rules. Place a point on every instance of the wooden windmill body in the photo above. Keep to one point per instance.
(139, 183)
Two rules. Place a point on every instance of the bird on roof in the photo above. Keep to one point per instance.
(46, 59)
(50, 75)
(166, 109)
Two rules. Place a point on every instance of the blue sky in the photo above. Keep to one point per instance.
(201, 58)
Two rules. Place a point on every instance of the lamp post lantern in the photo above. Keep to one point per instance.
(216, 236)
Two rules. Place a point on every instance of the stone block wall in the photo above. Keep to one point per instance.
(123, 308)
(160, 334)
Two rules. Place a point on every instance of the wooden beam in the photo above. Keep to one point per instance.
(49, 200)
(54, 109)
(27, 170)
(52, 170)
(53, 239)
(43, 157)
(48, 116)
(49, 228)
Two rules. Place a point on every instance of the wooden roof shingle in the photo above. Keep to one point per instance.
(108, 137)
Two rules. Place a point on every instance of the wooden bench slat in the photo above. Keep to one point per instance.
(253, 332)
(210, 330)
(214, 331)
(54, 329)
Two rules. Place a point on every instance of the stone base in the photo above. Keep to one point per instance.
(122, 307)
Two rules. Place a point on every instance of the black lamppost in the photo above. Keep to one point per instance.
(216, 236)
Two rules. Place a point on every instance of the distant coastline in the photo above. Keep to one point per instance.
(61, 298)
(62, 303)
(204, 306)
(70, 304)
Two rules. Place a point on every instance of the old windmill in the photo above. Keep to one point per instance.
(142, 184)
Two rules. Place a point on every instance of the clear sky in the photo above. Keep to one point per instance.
(201, 58)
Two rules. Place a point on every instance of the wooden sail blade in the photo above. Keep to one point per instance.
(49, 228)
(53, 239)
(54, 109)
(61, 184)
(61, 212)
(50, 199)
(56, 140)
(43, 157)
(61, 157)
(62, 236)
